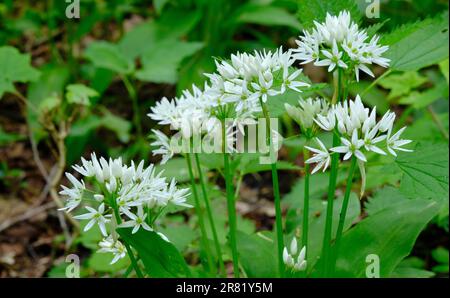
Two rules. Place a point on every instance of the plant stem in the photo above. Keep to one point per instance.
(438, 122)
(230, 204)
(134, 99)
(199, 214)
(330, 201)
(127, 246)
(343, 213)
(276, 191)
(210, 217)
(306, 203)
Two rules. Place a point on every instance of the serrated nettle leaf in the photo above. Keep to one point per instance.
(267, 15)
(80, 94)
(421, 45)
(425, 171)
(389, 235)
(160, 258)
(161, 63)
(316, 10)
(109, 56)
(425, 129)
(15, 67)
(402, 84)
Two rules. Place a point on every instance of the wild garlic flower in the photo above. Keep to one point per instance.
(116, 195)
(339, 43)
(294, 259)
(235, 91)
(360, 133)
(307, 110)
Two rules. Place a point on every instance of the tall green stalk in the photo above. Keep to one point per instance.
(343, 213)
(276, 191)
(306, 203)
(134, 100)
(209, 213)
(199, 214)
(232, 223)
(326, 245)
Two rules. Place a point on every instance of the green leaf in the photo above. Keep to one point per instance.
(440, 255)
(384, 199)
(80, 94)
(316, 10)
(390, 234)
(120, 126)
(160, 258)
(180, 235)
(257, 255)
(107, 55)
(443, 66)
(101, 262)
(159, 5)
(373, 98)
(15, 67)
(421, 45)
(425, 171)
(402, 84)
(267, 15)
(407, 272)
(161, 63)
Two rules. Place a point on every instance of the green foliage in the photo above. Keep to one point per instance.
(15, 67)
(316, 10)
(440, 255)
(160, 258)
(402, 84)
(6, 138)
(420, 44)
(107, 55)
(390, 234)
(267, 15)
(80, 94)
(257, 255)
(425, 172)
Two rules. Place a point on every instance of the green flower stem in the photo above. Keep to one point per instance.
(210, 217)
(343, 213)
(129, 251)
(230, 203)
(387, 72)
(198, 210)
(330, 200)
(134, 99)
(276, 192)
(306, 203)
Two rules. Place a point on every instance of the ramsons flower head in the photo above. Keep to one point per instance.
(339, 43)
(117, 195)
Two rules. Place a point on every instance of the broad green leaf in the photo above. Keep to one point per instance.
(384, 199)
(426, 44)
(390, 234)
(257, 255)
(120, 126)
(267, 15)
(107, 55)
(425, 171)
(316, 10)
(408, 272)
(402, 84)
(160, 258)
(161, 63)
(80, 94)
(440, 255)
(180, 235)
(101, 262)
(15, 67)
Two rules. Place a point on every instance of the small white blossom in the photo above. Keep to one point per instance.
(351, 147)
(293, 259)
(321, 158)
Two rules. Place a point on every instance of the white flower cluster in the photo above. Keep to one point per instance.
(338, 42)
(294, 259)
(121, 192)
(306, 111)
(360, 133)
(235, 91)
